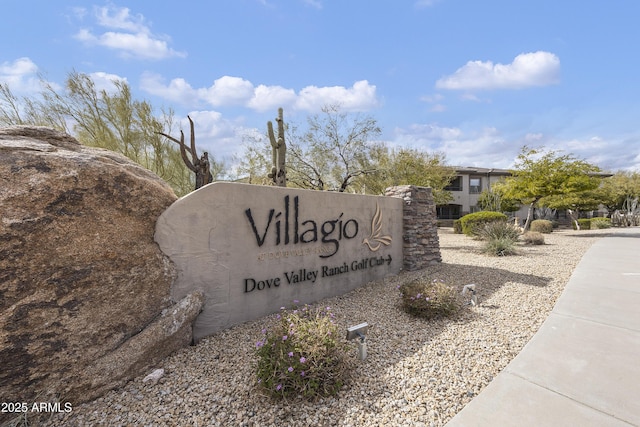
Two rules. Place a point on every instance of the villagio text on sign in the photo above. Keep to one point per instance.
(253, 249)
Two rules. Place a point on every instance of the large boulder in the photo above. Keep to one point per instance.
(84, 289)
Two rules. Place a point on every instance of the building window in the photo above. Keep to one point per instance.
(475, 185)
(455, 184)
(474, 209)
(448, 211)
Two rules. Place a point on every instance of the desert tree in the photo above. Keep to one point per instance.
(494, 199)
(253, 164)
(539, 174)
(28, 110)
(333, 152)
(618, 188)
(620, 194)
(408, 166)
(111, 119)
(573, 203)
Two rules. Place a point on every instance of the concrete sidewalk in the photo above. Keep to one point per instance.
(582, 367)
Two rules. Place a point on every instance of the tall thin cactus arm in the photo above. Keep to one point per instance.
(279, 150)
(200, 166)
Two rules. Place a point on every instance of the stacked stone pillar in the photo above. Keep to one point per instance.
(421, 246)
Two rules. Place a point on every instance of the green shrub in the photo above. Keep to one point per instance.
(585, 224)
(500, 238)
(533, 238)
(429, 299)
(302, 355)
(600, 223)
(457, 227)
(470, 223)
(541, 226)
(500, 247)
(498, 230)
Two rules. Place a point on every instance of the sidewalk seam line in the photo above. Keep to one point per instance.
(592, 321)
(567, 397)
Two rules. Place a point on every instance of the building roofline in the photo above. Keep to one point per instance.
(481, 171)
(470, 170)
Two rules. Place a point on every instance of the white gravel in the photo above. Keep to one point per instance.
(417, 372)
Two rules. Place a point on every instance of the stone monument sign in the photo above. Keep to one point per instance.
(253, 249)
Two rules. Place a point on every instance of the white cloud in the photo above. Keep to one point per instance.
(428, 134)
(437, 106)
(134, 38)
(178, 90)
(611, 154)
(480, 148)
(359, 97)
(104, 81)
(488, 147)
(19, 67)
(527, 69)
(533, 137)
(234, 91)
(227, 90)
(20, 75)
(271, 97)
(120, 19)
(218, 136)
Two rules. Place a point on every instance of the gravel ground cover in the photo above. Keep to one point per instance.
(417, 372)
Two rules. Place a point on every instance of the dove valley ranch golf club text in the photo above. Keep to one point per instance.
(307, 275)
(284, 226)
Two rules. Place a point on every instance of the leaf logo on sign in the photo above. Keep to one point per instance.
(376, 239)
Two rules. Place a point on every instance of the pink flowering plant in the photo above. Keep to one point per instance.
(302, 355)
(430, 299)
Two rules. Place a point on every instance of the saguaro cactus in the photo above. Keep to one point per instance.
(200, 166)
(279, 148)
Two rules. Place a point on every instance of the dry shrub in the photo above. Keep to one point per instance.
(541, 226)
(430, 299)
(533, 238)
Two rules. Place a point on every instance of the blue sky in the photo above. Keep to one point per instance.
(475, 80)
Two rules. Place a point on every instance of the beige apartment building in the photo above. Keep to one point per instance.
(471, 181)
(466, 188)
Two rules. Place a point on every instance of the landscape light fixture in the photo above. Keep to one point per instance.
(471, 288)
(359, 331)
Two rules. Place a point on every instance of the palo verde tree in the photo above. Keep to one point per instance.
(539, 174)
(32, 111)
(616, 191)
(620, 194)
(255, 162)
(573, 203)
(493, 199)
(111, 119)
(407, 166)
